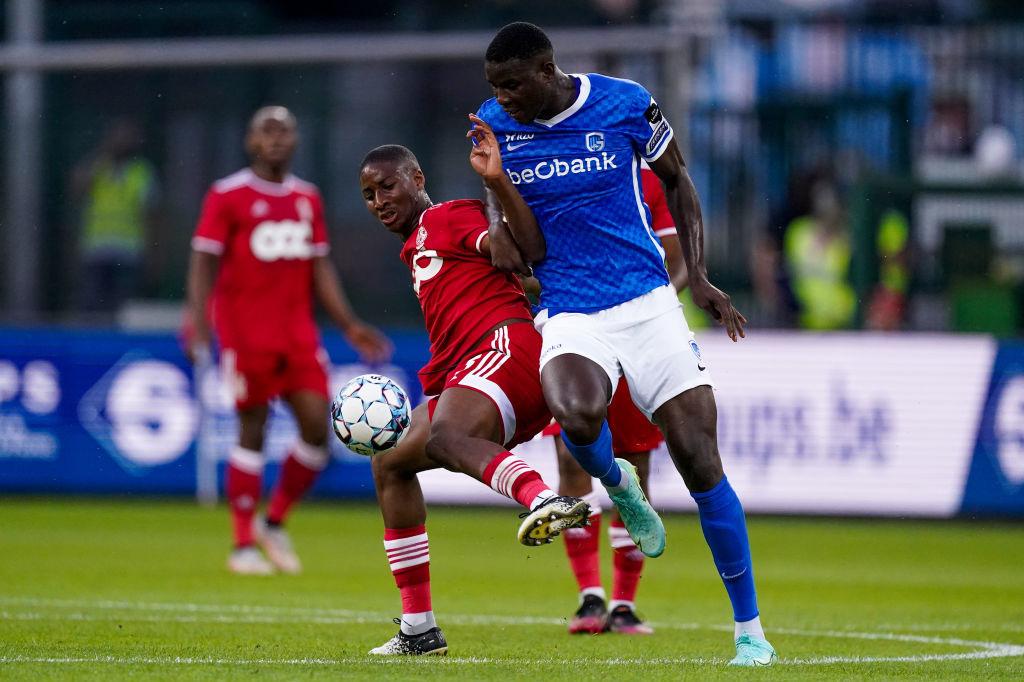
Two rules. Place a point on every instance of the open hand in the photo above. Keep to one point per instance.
(718, 304)
(373, 347)
(485, 155)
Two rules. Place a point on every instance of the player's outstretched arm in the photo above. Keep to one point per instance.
(505, 252)
(684, 205)
(202, 272)
(485, 158)
(367, 340)
(674, 262)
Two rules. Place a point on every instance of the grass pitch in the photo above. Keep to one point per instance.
(116, 589)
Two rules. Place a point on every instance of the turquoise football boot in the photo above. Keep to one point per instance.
(642, 522)
(752, 652)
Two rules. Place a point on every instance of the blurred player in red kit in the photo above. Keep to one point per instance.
(259, 258)
(633, 438)
(483, 378)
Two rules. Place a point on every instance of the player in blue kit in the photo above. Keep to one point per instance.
(572, 145)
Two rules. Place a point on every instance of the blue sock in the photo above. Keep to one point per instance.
(597, 459)
(725, 529)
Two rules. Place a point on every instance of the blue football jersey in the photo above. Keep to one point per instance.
(580, 173)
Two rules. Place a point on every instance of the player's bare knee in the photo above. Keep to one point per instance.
(442, 445)
(387, 468)
(314, 434)
(581, 420)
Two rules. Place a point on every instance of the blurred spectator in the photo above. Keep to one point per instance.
(887, 308)
(995, 154)
(948, 132)
(777, 307)
(817, 254)
(117, 192)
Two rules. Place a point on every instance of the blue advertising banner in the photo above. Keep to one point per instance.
(112, 412)
(867, 424)
(995, 482)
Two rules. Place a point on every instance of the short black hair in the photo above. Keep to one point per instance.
(518, 40)
(394, 153)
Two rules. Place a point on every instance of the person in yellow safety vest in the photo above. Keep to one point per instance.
(817, 252)
(117, 190)
(888, 306)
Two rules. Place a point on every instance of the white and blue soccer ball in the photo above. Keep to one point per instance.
(370, 414)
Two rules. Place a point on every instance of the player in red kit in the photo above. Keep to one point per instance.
(259, 256)
(633, 438)
(483, 378)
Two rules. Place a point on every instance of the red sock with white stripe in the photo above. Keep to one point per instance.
(409, 557)
(242, 487)
(582, 547)
(515, 479)
(628, 565)
(298, 473)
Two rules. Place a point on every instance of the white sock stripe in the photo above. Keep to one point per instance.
(618, 538)
(406, 552)
(506, 474)
(412, 561)
(509, 478)
(499, 472)
(310, 456)
(249, 461)
(405, 542)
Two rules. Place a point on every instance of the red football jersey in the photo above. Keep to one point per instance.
(654, 196)
(266, 235)
(462, 295)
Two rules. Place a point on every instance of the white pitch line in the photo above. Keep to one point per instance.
(215, 613)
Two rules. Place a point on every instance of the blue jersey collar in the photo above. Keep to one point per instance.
(581, 99)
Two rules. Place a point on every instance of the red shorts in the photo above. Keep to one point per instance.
(631, 432)
(255, 377)
(505, 367)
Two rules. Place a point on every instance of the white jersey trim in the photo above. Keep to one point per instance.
(501, 401)
(642, 208)
(479, 240)
(207, 245)
(581, 99)
(666, 231)
(246, 178)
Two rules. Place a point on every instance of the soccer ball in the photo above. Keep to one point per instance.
(370, 414)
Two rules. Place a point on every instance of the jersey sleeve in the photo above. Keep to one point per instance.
(214, 227)
(321, 242)
(654, 195)
(467, 224)
(646, 125)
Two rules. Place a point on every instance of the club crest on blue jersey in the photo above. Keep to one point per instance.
(595, 141)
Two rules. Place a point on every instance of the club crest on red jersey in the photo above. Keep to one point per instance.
(259, 208)
(421, 237)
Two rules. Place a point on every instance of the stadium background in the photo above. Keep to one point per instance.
(899, 101)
